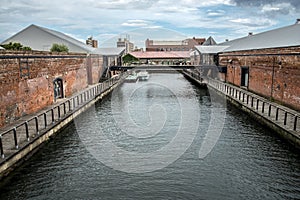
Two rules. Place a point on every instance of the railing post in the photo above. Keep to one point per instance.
(285, 118)
(52, 115)
(15, 137)
(65, 111)
(45, 119)
(69, 105)
(295, 122)
(1, 147)
(257, 104)
(263, 107)
(36, 124)
(277, 113)
(58, 110)
(27, 132)
(252, 103)
(74, 103)
(270, 109)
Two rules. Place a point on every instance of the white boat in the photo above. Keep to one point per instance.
(131, 78)
(143, 76)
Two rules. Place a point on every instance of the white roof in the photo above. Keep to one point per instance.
(40, 38)
(109, 51)
(1, 48)
(68, 39)
(213, 49)
(281, 37)
(157, 42)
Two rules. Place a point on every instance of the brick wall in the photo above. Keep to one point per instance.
(31, 89)
(273, 73)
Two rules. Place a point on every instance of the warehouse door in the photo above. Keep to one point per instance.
(245, 76)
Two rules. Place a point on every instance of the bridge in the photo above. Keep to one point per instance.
(152, 67)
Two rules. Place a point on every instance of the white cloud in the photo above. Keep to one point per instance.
(136, 23)
(107, 18)
(279, 8)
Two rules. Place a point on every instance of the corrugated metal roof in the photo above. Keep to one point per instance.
(67, 38)
(213, 49)
(60, 36)
(209, 41)
(109, 51)
(281, 37)
(160, 54)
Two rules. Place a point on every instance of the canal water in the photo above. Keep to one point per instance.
(160, 139)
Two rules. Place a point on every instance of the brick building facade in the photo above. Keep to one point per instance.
(266, 63)
(30, 81)
(182, 45)
(273, 73)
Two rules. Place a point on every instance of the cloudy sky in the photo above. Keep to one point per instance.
(106, 20)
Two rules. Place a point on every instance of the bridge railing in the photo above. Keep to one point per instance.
(20, 135)
(282, 116)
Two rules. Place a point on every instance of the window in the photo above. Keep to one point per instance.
(244, 76)
(58, 88)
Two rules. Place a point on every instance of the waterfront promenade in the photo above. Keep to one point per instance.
(283, 120)
(23, 137)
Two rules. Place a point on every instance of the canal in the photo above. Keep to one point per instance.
(164, 138)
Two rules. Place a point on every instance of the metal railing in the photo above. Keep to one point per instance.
(18, 136)
(194, 75)
(278, 114)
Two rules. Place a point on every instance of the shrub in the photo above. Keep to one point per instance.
(15, 46)
(59, 48)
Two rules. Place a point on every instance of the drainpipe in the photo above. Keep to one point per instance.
(273, 73)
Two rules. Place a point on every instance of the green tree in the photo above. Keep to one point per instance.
(15, 46)
(59, 48)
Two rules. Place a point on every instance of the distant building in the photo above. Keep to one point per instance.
(180, 45)
(42, 39)
(209, 41)
(91, 42)
(125, 43)
(162, 58)
(205, 54)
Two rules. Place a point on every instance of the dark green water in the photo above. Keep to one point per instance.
(155, 151)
